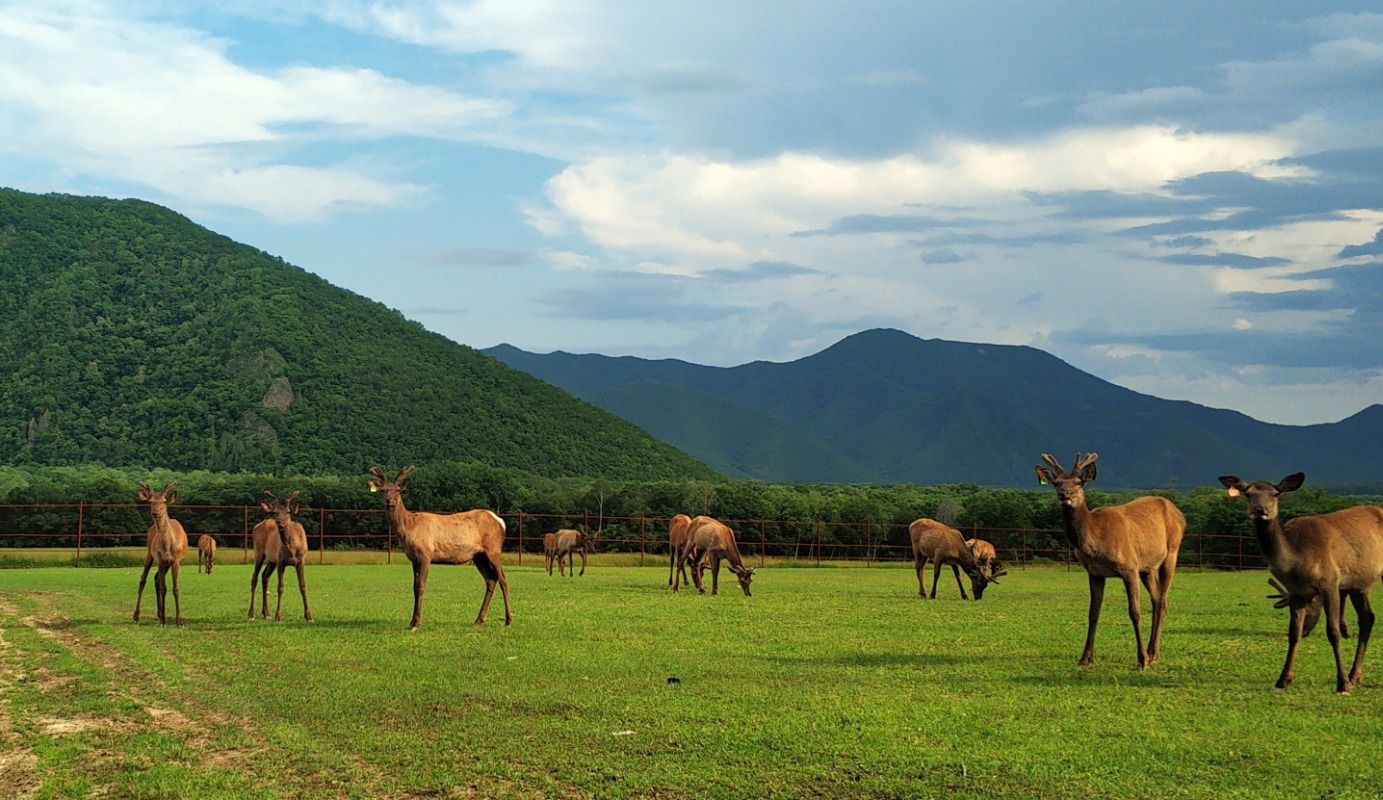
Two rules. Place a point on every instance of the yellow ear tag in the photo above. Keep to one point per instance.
(373, 488)
(1233, 492)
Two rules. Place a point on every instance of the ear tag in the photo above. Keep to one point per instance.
(373, 488)
(1041, 481)
(1233, 492)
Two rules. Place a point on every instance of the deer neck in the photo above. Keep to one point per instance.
(162, 527)
(1271, 538)
(400, 519)
(1074, 520)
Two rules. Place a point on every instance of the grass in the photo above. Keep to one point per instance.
(826, 683)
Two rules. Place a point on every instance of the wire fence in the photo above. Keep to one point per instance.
(98, 526)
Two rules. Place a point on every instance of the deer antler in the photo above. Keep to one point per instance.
(270, 495)
(293, 495)
(1083, 462)
(1053, 463)
(379, 473)
(404, 473)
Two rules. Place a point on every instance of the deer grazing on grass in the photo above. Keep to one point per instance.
(942, 545)
(1318, 558)
(278, 543)
(677, 530)
(1135, 541)
(167, 544)
(710, 541)
(206, 553)
(427, 539)
(987, 557)
(567, 544)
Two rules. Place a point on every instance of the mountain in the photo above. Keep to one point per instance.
(883, 406)
(133, 337)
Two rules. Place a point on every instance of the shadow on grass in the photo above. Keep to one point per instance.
(890, 659)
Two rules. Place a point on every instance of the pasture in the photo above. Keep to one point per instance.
(833, 682)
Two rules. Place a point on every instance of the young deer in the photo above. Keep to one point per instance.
(278, 543)
(942, 545)
(567, 544)
(677, 539)
(1135, 541)
(206, 553)
(167, 544)
(467, 537)
(708, 542)
(1321, 557)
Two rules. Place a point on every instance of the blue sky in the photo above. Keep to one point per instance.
(1183, 198)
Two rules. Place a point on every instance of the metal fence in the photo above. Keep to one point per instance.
(87, 526)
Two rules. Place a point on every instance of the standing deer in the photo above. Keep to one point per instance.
(1135, 541)
(567, 544)
(167, 544)
(943, 544)
(469, 536)
(206, 553)
(549, 550)
(708, 542)
(987, 557)
(1320, 557)
(278, 542)
(677, 530)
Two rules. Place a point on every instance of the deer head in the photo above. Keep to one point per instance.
(978, 581)
(281, 510)
(1070, 487)
(1261, 495)
(158, 501)
(745, 576)
(390, 489)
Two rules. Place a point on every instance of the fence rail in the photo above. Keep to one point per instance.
(82, 525)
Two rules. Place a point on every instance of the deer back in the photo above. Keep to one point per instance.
(708, 535)
(1141, 532)
(1347, 544)
(939, 542)
(568, 540)
(452, 538)
(677, 529)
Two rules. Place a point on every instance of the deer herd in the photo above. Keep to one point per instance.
(1316, 561)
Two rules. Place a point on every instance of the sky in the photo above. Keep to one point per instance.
(1184, 198)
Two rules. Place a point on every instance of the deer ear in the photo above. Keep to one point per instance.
(1292, 482)
(293, 507)
(143, 493)
(1233, 484)
(170, 497)
(266, 508)
(1044, 476)
(374, 485)
(1087, 474)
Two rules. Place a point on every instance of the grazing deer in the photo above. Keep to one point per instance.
(708, 542)
(942, 545)
(1135, 541)
(986, 556)
(568, 543)
(206, 553)
(278, 542)
(549, 550)
(466, 537)
(1321, 557)
(167, 544)
(677, 530)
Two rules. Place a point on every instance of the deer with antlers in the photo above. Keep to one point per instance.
(166, 546)
(566, 545)
(1138, 540)
(1318, 558)
(279, 542)
(466, 537)
(986, 556)
(709, 541)
(941, 544)
(206, 553)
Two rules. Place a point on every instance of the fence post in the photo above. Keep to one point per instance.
(642, 537)
(321, 535)
(521, 538)
(868, 542)
(244, 534)
(818, 542)
(763, 543)
(78, 561)
(1023, 543)
(1240, 539)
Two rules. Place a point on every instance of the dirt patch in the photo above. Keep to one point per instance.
(56, 726)
(168, 718)
(17, 773)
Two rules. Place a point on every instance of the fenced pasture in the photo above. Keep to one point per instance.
(825, 683)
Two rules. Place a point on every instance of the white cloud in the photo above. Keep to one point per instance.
(1242, 324)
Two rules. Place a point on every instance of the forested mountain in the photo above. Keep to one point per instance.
(883, 406)
(131, 336)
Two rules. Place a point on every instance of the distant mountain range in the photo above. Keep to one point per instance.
(883, 406)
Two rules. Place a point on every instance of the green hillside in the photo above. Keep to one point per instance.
(134, 337)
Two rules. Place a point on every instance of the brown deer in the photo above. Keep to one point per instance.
(549, 550)
(1138, 540)
(986, 556)
(677, 530)
(708, 542)
(1318, 557)
(942, 544)
(278, 543)
(569, 543)
(206, 553)
(167, 544)
(466, 537)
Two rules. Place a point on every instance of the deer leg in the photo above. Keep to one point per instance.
(269, 567)
(1159, 610)
(921, 563)
(161, 591)
(1332, 632)
(419, 584)
(278, 604)
(254, 583)
(583, 562)
(715, 575)
(936, 575)
(139, 598)
(177, 602)
(1296, 618)
(503, 585)
(955, 570)
(1344, 629)
(487, 571)
(1135, 615)
(1096, 600)
(302, 589)
(1365, 614)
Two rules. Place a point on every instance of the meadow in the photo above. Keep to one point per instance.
(831, 682)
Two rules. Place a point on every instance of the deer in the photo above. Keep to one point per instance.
(709, 541)
(986, 556)
(942, 544)
(1136, 541)
(278, 543)
(677, 530)
(1318, 558)
(567, 544)
(206, 553)
(166, 545)
(466, 537)
(549, 550)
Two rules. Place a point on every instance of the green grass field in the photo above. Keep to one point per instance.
(826, 683)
